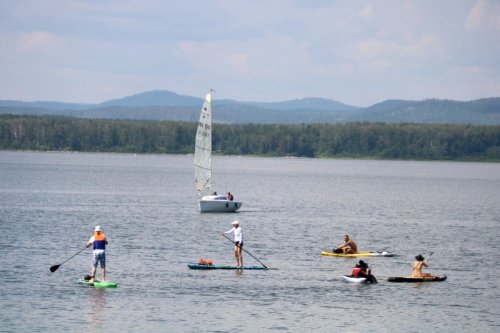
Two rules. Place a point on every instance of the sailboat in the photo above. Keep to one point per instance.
(209, 201)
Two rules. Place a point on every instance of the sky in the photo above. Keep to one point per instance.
(355, 52)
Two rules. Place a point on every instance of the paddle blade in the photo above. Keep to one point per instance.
(54, 268)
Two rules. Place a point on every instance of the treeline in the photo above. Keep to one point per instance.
(367, 140)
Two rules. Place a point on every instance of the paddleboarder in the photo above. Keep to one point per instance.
(238, 242)
(418, 265)
(99, 242)
(348, 247)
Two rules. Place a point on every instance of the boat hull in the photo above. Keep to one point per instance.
(417, 279)
(359, 254)
(198, 266)
(352, 279)
(219, 206)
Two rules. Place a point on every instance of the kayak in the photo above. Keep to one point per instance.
(99, 284)
(359, 254)
(352, 279)
(430, 278)
(198, 266)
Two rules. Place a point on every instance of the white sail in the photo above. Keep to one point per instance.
(203, 148)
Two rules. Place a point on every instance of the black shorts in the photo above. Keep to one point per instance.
(239, 244)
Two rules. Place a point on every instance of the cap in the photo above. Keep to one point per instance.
(97, 228)
(235, 222)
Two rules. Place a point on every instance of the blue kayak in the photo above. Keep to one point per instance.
(199, 266)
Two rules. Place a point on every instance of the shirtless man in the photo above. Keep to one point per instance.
(348, 247)
(419, 263)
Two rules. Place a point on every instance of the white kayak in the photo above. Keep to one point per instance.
(352, 279)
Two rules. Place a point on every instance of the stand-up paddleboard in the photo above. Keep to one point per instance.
(359, 254)
(430, 278)
(352, 279)
(98, 284)
(199, 266)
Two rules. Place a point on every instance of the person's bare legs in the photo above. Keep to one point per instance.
(239, 257)
(236, 256)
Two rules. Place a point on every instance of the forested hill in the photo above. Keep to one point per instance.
(165, 105)
(366, 140)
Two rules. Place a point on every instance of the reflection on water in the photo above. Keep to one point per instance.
(96, 303)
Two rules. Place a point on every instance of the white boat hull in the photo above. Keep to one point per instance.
(222, 206)
(352, 279)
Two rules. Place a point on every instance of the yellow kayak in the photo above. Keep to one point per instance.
(359, 254)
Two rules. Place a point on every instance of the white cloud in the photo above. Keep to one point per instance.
(367, 11)
(484, 15)
(37, 41)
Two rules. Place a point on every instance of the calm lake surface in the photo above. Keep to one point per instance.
(293, 209)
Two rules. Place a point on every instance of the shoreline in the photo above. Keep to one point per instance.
(322, 157)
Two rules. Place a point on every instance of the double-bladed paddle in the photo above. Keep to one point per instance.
(55, 267)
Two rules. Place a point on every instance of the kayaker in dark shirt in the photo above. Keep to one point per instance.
(366, 272)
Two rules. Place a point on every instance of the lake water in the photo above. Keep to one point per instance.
(293, 209)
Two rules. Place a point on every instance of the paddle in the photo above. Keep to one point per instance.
(229, 239)
(55, 267)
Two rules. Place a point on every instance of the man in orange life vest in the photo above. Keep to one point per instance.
(99, 256)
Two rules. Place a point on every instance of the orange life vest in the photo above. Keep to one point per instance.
(356, 271)
(99, 241)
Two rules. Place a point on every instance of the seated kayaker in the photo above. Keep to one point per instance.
(418, 265)
(365, 271)
(348, 247)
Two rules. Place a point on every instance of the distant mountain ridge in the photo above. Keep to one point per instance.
(44, 105)
(167, 105)
(154, 98)
(168, 98)
(311, 103)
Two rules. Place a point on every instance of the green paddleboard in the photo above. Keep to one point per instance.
(99, 284)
